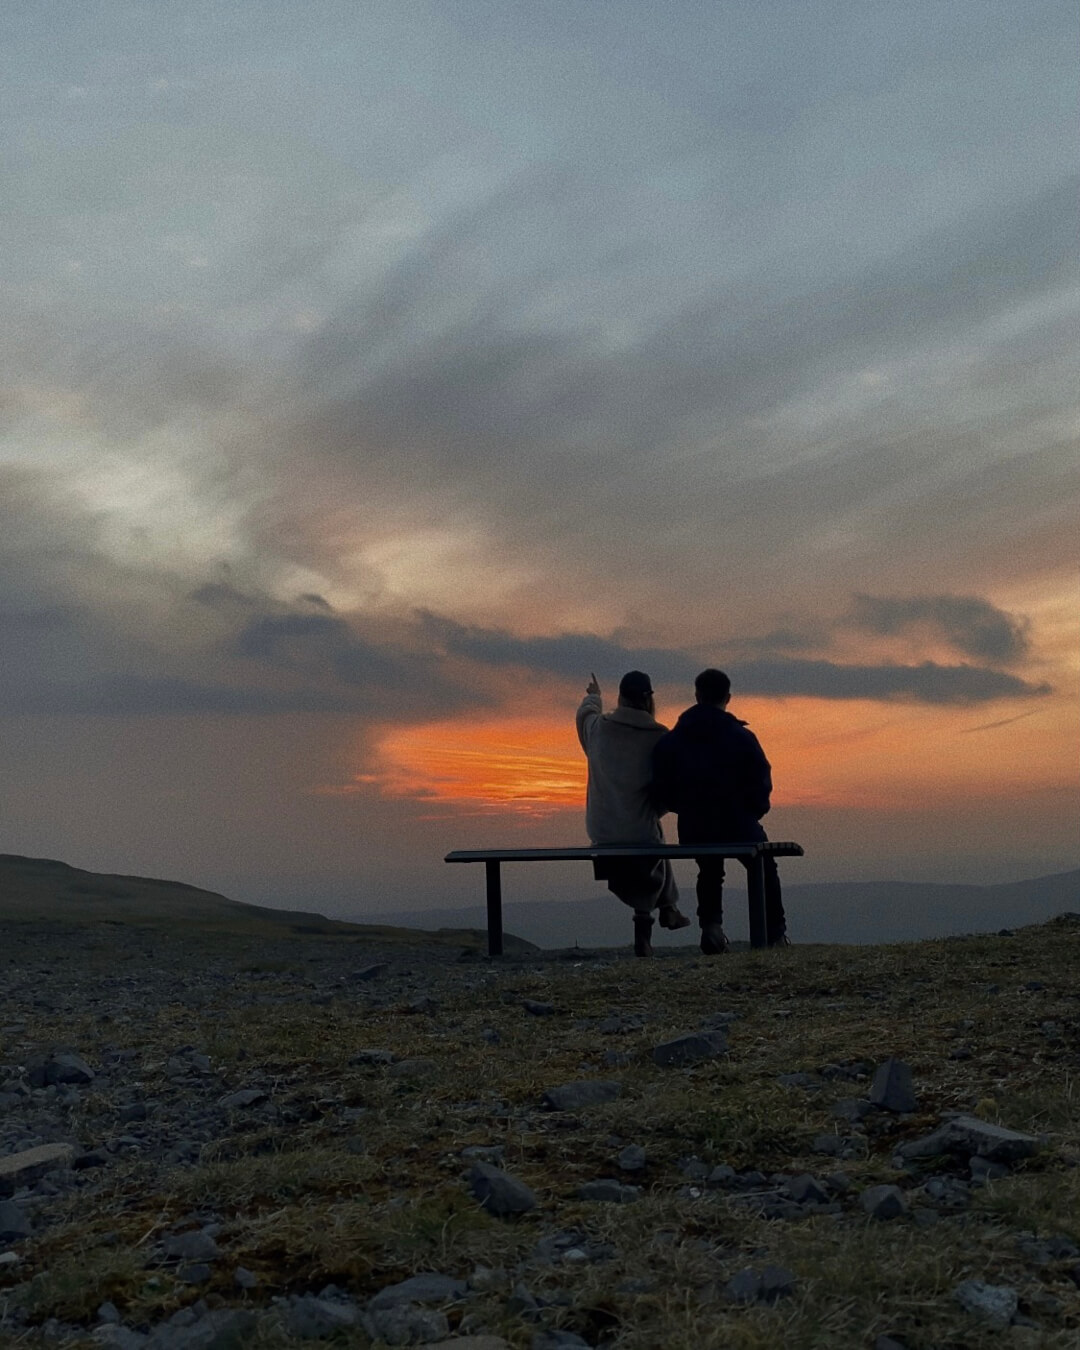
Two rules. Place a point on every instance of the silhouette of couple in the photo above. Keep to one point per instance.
(709, 770)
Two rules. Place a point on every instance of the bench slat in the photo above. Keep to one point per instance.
(778, 848)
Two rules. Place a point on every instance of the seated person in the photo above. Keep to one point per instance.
(619, 806)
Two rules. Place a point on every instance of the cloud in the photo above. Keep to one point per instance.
(966, 622)
(927, 682)
(574, 655)
(571, 656)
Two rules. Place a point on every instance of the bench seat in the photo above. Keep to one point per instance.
(752, 853)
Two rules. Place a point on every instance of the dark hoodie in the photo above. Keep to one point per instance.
(712, 772)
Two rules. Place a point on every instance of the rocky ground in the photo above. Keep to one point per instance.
(221, 1141)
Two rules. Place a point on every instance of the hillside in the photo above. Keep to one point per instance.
(41, 890)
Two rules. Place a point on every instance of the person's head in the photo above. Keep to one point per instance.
(713, 686)
(636, 691)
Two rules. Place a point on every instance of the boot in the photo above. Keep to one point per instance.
(714, 940)
(642, 933)
(671, 916)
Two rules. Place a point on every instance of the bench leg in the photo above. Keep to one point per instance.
(755, 893)
(494, 907)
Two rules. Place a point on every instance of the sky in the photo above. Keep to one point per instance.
(376, 370)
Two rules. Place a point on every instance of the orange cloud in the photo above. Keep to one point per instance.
(851, 755)
(529, 766)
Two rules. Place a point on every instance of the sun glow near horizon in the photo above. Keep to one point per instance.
(824, 754)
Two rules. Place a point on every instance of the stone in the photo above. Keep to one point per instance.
(312, 1318)
(485, 1153)
(29, 1165)
(798, 1080)
(113, 1336)
(576, 1096)
(807, 1190)
(889, 1343)
(522, 1303)
(722, 1175)
(558, 1340)
(366, 973)
(608, 1192)
(132, 1112)
(197, 1272)
(244, 1278)
(222, 1329)
(538, 1009)
(193, 1246)
(67, 1067)
(631, 1158)
(244, 1097)
(425, 1288)
(694, 1048)
(366, 1057)
(883, 1202)
(994, 1303)
(108, 1312)
(407, 1325)
(892, 1088)
(968, 1134)
(423, 1004)
(829, 1145)
(745, 1287)
(498, 1192)
(982, 1170)
(14, 1225)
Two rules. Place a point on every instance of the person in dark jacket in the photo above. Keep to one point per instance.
(712, 772)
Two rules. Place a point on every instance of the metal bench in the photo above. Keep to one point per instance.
(752, 853)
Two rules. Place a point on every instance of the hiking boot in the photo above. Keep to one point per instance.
(781, 940)
(714, 940)
(671, 916)
(642, 933)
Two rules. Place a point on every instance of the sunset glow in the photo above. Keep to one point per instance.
(523, 766)
(824, 754)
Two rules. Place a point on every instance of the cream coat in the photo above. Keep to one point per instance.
(619, 748)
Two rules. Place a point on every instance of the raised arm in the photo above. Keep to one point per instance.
(590, 708)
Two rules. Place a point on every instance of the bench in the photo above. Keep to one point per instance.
(751, 853)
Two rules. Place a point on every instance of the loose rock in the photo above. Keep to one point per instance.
(499, 1192)
(632, 1158)
(576, 1096)
(883, 1202)
(14, 1225)
(408, 1325)
(426, 1288)
(995, 1303)
(694, 1048)
(233, 1101)
(968, 1134)
(892, 1088)
(27, 1166)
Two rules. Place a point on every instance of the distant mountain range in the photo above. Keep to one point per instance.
(839, 911)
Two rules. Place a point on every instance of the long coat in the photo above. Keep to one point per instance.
(618, 806)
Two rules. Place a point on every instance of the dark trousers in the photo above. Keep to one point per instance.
(710, 895)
